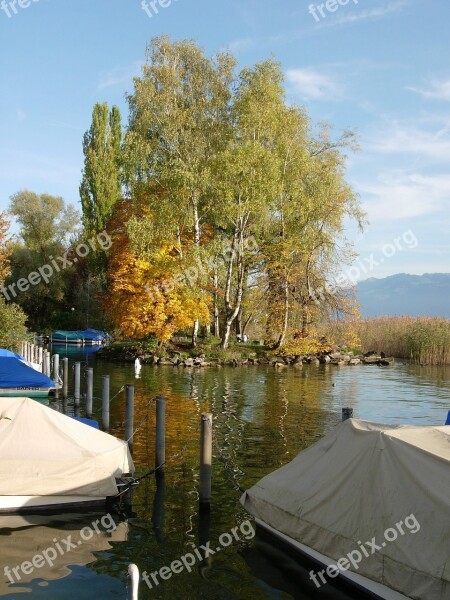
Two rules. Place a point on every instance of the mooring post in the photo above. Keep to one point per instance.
(89, 391)
(160, 438)
(105, 402)
(65, 376)
(76, 382)
(347, 413)
(32, 353)
(48, 370)
(129, 416)
(40, 356)
(55, 368)
(206, 458)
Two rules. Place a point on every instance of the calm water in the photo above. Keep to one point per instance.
(262, 418)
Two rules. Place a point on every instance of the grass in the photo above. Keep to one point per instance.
(423, 340)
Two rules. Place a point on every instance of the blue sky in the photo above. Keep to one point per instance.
(377, 66)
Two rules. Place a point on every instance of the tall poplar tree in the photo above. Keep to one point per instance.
(100, 187)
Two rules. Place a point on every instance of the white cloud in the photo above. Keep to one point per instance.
(438, 90)
(405, 196)
(119, 75)
(308, 83)
(374, 13)
(398, 138)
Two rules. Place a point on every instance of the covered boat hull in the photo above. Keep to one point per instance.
(364, 588)
(44, 504)
(19, 392)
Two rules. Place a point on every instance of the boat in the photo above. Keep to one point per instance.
(86, 337)
(20, 378)
(51, 462)
(367, 505)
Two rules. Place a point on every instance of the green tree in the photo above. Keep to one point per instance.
(179, 121)
(100, 187)
(48, 228)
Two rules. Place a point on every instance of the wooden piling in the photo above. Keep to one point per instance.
(347, 413)
(105, 402)
(160, 437)
(129, 415)
(65, 376)
(40, 356)
(56, 368)
(89, 391)
(48, 370)
(76, 382)
(205, 458)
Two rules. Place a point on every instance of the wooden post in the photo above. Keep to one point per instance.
(32, 353)
(41, 356)
(105, 402)
(65, 376)
(76, 382)
(206, 458)
(48, 370)
(347, 413)
(56, 368)
(89, 391)
(160, 438)
(129, 416)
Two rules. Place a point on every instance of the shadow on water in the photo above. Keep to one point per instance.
(262, 419)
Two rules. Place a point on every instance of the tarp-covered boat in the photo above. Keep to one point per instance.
(379, 494)
(50, 461)
(19, 378)
(83, 337)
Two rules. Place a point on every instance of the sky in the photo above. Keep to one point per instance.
(379, 67)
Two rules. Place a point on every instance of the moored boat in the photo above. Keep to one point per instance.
(351, 503)
(86, 337)
(20, 378)
(49, 461)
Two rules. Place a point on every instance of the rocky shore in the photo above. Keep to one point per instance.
(176, 359)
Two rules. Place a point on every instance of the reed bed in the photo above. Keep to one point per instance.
(423, 340)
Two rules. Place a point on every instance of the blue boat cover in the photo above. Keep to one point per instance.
(89, 335)
(15, 373)
(9, 354)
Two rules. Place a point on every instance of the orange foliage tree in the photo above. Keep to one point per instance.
(142, 298)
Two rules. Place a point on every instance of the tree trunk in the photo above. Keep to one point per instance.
(216, 305)
(197, 243)
(195, 333)
(230, 311)
(282, 337)
(247, 321)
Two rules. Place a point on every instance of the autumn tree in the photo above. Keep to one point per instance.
(143, 297)
(179, 121)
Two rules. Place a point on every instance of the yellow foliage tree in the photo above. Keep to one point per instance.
(140, 299)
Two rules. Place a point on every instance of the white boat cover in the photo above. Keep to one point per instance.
(45, 453)
(357, 483)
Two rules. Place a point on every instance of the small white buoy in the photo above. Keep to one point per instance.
(133, 572)
(137, 365)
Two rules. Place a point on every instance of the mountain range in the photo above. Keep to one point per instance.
(402, 294)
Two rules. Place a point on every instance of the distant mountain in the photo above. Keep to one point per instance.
(416, 295)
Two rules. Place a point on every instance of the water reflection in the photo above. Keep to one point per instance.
(262, 418)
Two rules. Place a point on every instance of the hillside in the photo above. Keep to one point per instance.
(402, 294)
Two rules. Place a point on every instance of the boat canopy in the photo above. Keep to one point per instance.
(75, 460)
(355, 486)
(88, 335)
(15, 373)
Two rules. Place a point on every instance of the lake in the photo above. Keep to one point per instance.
(262, 418)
